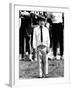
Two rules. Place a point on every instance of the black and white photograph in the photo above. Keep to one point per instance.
(41, 44)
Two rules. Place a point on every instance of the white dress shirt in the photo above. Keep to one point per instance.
(57, 18)
(37, 37)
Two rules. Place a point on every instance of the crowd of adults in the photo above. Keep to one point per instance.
(28, 20)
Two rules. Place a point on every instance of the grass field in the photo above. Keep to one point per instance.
(29, 69)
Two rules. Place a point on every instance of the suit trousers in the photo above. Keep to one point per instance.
(42, 60)
(57, 37)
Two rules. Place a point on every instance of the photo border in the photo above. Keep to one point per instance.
(14, 45)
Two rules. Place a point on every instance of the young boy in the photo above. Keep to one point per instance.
(41, 43)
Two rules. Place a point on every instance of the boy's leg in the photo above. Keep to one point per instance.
(39, 62)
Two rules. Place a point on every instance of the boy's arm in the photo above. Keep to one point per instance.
(34, 38)
(48, 41)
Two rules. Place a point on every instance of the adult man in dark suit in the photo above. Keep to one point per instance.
(25, 33)
(57, 33)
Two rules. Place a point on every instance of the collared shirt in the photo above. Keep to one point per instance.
(37, 37)
(57, 18)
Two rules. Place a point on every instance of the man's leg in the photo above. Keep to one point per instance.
(55, 39)
(54, 46)
(27, 45)
(61, 40)
(22, 47)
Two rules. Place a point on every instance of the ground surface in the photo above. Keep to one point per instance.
(29, 69)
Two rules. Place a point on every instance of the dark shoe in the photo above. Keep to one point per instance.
(49, 59)
(43, 75)
(22, 59)
(46, 76)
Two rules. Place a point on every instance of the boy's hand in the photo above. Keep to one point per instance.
(47, 50)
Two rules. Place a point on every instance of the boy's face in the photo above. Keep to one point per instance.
(41, 22)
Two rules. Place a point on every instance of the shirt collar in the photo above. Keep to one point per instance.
(42, 26)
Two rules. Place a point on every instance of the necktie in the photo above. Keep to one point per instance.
(41, 34)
